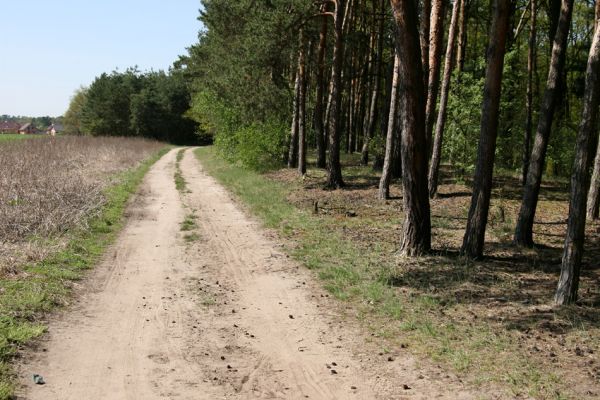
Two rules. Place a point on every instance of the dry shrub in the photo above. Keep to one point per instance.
(50, 185)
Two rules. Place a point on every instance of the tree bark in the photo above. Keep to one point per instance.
(593, 203)
(334, 168)
(435, 53)
(524, 228)
(293, 149)
(386, 173)
(482, 183)
(416, 232)
(397, 158)
(318, 115)
(462, 37)
(436, 154)
(587, 138)
(531, 66)
(302, 106)
(425, 31)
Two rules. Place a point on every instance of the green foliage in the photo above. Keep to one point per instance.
(462, 127)
(240, 75)
(258, 145)
(73, 116)
(151, 104)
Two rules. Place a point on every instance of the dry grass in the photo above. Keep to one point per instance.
(50, 185)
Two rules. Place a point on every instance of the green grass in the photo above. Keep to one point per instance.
(365, 278)
(9, 137)
(45, 285)
(189, 223)
(180, 182)
(191, 237)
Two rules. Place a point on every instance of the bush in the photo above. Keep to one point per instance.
(259, 145)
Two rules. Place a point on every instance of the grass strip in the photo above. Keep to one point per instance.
(180, 183)
(9, 137)
(46, 285)
(370, 279)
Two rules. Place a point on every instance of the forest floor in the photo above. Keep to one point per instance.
(490, 320)
(196, 301)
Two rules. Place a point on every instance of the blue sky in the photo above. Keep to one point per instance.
(52, 47)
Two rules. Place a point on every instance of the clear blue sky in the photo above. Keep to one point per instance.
(51, 47)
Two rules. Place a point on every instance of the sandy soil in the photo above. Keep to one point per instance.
(223, 314)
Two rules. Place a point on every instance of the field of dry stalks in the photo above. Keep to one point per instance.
(51, 185)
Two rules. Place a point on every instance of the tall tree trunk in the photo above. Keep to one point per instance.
(386, 174)
(389, 78)
(482, 183)
(416, 232)
(531, 66)
(302, 106)
(350, 107)
(436, 154)
(318, 114)
(587, 138)
(293, 150)
(369, 129)
(436, 38)
(397, 157)
(462, 37)
(524, 228)
(593, 203)
(425, 31)
(334, 168)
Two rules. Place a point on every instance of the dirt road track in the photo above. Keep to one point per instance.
(221, 315)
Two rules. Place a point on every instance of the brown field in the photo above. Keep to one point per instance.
(50, 185)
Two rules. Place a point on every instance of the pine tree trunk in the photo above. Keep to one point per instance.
(462, 37)
(334, 168)
(293, 149)
(436, 37)
(436, 154)
(397, 158)
(318, 114)
(587, 138)
(593, 203)
(482, 183)
(350, 120)
(386, 173)
(416, 232)
(524, 228)
(302, 107)
(531, 62)
(425, 31)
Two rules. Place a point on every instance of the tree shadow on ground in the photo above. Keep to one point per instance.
(518, 285)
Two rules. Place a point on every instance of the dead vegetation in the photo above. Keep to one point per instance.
(48, 186)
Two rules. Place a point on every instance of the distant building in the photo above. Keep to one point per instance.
(28, 129)
(9, 127)
(54, 129)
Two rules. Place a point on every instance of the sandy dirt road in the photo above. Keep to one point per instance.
(223, 314)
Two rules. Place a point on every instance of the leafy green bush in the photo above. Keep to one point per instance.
(258, 145)
(462, 127)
